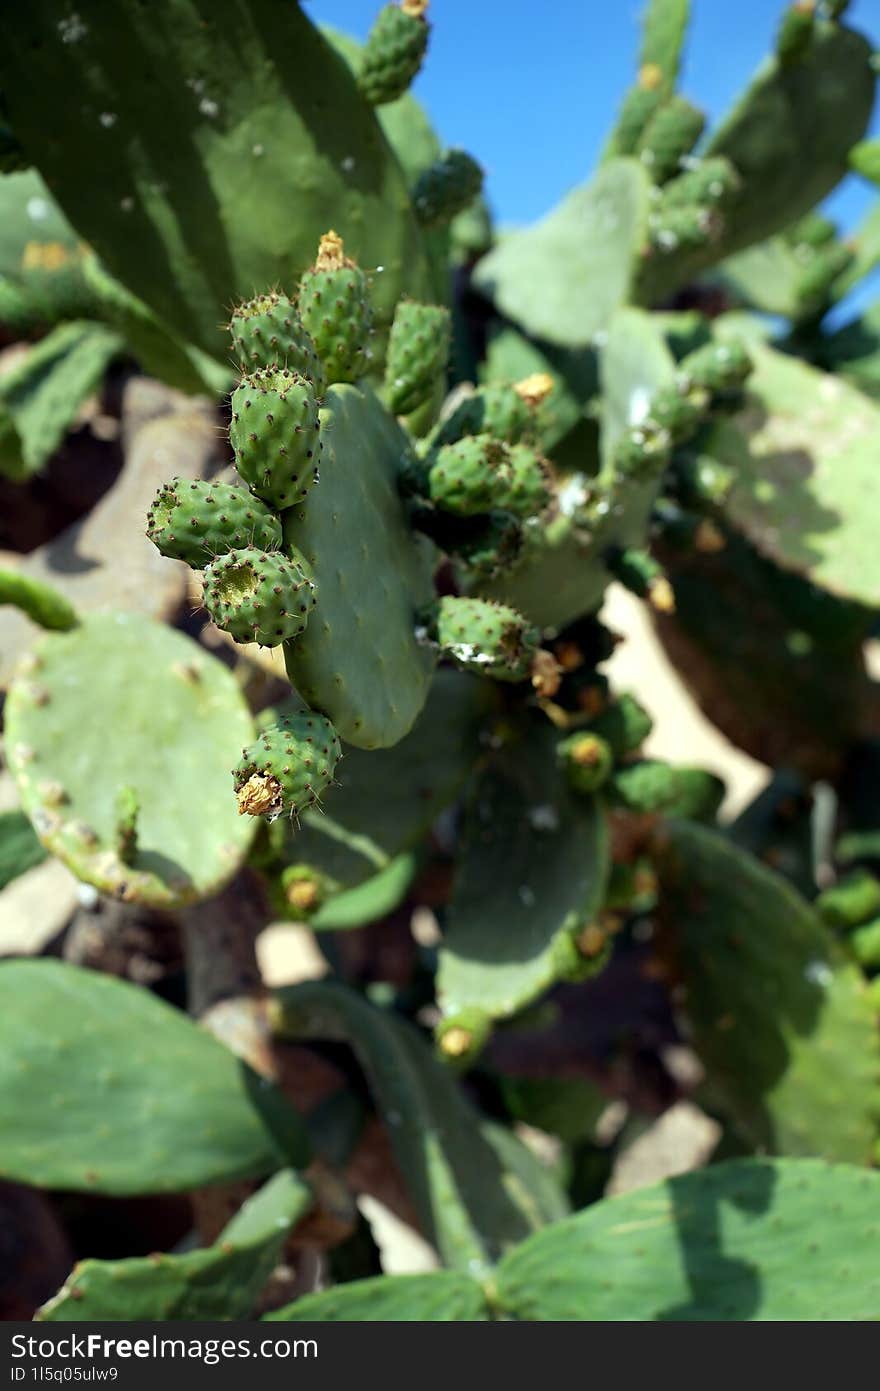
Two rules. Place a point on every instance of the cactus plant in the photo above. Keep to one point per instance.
(441, 449)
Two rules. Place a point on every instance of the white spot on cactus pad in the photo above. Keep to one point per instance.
(526, 895)
(544, 818)
(209, 108)
(37, 209)
(818, 973)
(108, 119)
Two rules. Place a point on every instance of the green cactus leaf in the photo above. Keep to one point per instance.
(20, 850)
(359, 833)
(532, 868)
(439, 1296)
(360, 661)
(222, 1281)
(226, 187)
(41, 395)
(748, 1240)
(779, 1016)
(466, 1203)
(145, 1101)
(178, 720)
(563, 278)
(370, 901)
(664, 28)
(804, 450)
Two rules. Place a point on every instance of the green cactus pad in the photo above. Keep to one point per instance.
(394, 51)
(472, 476)
(275, 434)
(470, 1200)
(440, 1296)
(795, 33)
(257, 596)
(223, 1281)
(851, 901)
(178, 720)
(360, 661)
(268, 332)
(236, 187)
(779, 1016)
(41, 603)
(145, 1101)
(485, 637)
(624, 725)
(287, 767)
(804, 452)
(360, 833)
(196, 521)
(670, 134)
(20, 849)
(748, 1240)
(334, 305)
(531, 871)
(418, 349)
(587, 759)
(563, 278)
(446, 188)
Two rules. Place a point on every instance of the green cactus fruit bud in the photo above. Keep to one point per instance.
(585, 950)
(334, 306)
(851, 901)
(258, 596)
(298, 892)
(640, 573)
(484, 637)
(642, 451)
(473, 475)
(683, 229)
(287, 767)
(671, 133)
(795, 34)
(701, 481)
(268, 332)
(718, 366)
(531, 489)
(275, 434)
(499, 409)
(446, 188)
(709, 183)
(815, 285)
(864, 943)
(624, 726)
(639, 106)
(655, 788)
(196, 521)
(394, 51)
(487, 545)
(462, 1037)
(587, 759)
(680, 409)
(418, 351)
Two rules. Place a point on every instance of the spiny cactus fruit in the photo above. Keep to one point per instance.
(195, 521)
(718, 367)
(275, 434)
(334, 306)
(711, 183)
(474, 475)
(487, 545)
(446, 187)
(671, 133)
(587, 759)
(258, 596)
(679, 409)
(479, 635)
(287, 767)
(268, 332)
(418, 349)
(531, 486)
(394, 51)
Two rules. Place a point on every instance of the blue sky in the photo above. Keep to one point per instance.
(531, 88)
